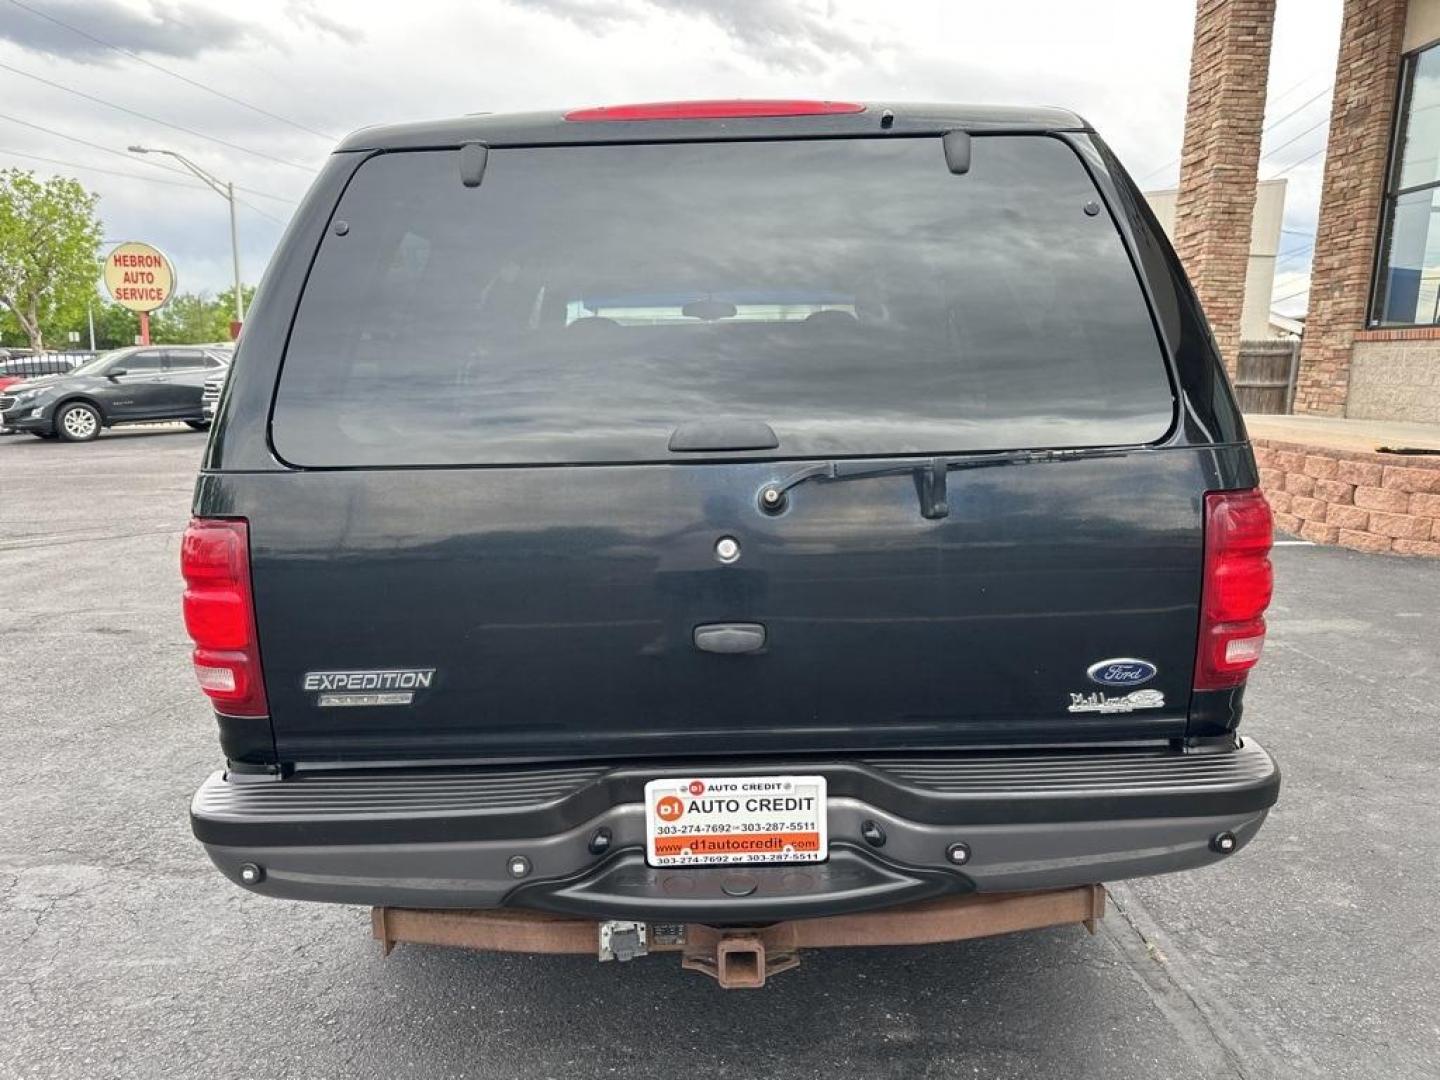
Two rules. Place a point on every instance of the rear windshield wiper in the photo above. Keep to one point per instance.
(930, 474)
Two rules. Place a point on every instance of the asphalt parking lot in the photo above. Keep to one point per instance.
(1315, 952)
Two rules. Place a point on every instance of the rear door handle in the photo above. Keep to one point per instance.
(730, 637)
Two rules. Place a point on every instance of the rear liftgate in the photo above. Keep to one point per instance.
(742, 958)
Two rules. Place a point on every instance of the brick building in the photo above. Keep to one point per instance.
(1370, 357)
(1372, 339)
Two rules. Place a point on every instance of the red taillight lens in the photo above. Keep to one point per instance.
(713, 110)
(1238, 584)
(220, 615)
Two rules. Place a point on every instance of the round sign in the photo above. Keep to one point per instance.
(139, 277)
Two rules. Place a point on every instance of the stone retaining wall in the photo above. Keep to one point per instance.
(1365, 501)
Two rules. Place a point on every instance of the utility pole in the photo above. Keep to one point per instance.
(226, 190)
(235, 253)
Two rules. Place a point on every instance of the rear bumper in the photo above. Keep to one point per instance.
(447, 839)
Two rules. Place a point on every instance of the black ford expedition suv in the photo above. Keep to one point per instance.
(603, 499)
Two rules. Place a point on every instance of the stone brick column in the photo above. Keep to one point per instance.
(1350, 200)
(1220, 159)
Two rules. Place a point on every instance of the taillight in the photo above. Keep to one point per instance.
(1238, 584)
(714, 110)
(220, 615)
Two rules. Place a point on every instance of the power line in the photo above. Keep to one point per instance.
(173, 74)
(172, 16)
(256, 209)
(1275, 150)
(1288, 296)
(1302, 161)
(85, 142)
(1293, 112)
(96, 168)
(1267, 128)
(156, 120)
(1290, 90)
(1301, 250)
(136, 176)
(132, 158)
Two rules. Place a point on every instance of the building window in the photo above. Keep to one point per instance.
(1407, 287)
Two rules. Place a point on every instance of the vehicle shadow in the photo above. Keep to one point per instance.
(108, 435)
(1027, 1004)
(148, 432)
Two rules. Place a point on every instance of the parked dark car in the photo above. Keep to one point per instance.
(847, 488)
(135, 385)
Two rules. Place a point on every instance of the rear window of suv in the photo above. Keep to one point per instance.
(583, 302)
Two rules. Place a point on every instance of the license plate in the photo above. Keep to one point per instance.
(719, 820)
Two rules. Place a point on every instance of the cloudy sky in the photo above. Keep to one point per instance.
(259, 92)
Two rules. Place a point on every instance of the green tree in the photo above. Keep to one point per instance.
(70, 316)
(195, 317)
(187, 318)
(226, 300)
(49, 248)
(115, 326)
(10, 332)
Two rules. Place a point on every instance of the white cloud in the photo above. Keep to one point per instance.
(79, 28)
(336, 66)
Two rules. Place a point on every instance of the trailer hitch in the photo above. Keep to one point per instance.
(742, 958)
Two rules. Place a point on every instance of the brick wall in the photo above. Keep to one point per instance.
(1369, 502)
(1220, 157)
(1361, 113)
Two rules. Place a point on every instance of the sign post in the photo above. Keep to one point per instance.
(139, 277)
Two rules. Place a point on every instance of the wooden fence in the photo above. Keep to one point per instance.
(1265, 379)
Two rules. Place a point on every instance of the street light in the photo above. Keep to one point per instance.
(224, 189)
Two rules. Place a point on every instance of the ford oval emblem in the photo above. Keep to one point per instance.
(1121, 671)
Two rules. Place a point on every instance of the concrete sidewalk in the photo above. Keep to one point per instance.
(1343, 433)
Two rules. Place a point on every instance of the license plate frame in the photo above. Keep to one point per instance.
(736, 820)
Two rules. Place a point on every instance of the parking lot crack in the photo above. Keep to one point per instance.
(41, 913)
(1222, 1040)
(48, 542)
